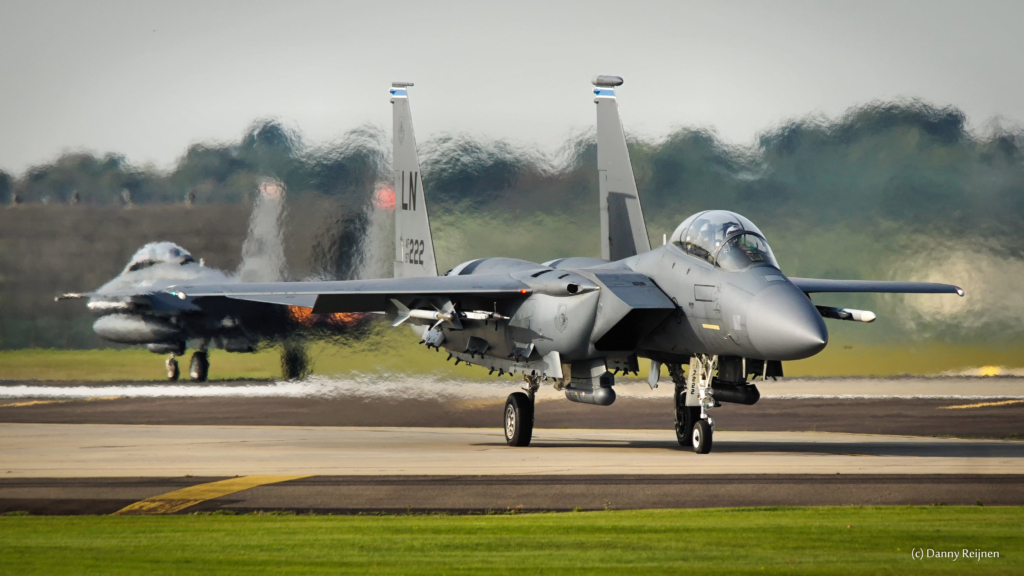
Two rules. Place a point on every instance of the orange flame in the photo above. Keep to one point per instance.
(305, 317)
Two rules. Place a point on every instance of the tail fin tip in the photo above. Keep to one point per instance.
(607, 81)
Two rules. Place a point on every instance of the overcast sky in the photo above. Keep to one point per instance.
(146, 79)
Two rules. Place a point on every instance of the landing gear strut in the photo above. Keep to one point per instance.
(519, 414)
(199, 367)
(693, 399)
(172, 368)
(686, 416)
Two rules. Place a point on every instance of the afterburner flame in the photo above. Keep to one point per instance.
(384, 198)
(305, 317)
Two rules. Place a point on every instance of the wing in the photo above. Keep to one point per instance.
(154, 299)
(361, 295)
(810, 285)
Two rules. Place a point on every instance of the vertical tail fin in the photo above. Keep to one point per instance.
(623, 231)
(414, 247)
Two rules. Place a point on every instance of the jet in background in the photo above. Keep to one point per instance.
(134, 308)
(713, 298)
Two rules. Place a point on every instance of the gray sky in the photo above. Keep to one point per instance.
(146, 79)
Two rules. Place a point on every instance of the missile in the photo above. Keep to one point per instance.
(436, 315)
(850, 314)
(482, 315)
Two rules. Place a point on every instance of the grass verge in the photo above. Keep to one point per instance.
(843, 540)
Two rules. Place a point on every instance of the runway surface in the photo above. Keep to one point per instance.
(483, 494)
(364, 447)
(45, 450)
(961, 407)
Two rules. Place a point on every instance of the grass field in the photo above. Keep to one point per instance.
(397, 352)
(740, 541)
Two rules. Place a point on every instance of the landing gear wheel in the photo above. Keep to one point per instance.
(518, 419)
(199, 368)
(686, 416)
(701, 437)
(172, 369)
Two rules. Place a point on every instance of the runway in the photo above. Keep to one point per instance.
(960, 407)
(49, 468)
(89, 450)
(488, 494)
(73, 448)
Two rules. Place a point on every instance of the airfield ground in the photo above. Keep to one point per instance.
(79, 447)
(241, 476)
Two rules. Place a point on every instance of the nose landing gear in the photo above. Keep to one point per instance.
(694, 426)
(686, 416)
(172, 368)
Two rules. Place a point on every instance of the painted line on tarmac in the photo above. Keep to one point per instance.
(178, 500)
(39, 402)
(982, 405)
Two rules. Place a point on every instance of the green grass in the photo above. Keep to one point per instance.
(740, 541)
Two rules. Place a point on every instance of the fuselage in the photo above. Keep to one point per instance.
(666, 304)
(133, 308)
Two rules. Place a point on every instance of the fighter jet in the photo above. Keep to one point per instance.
(712, 298)
(134, 308)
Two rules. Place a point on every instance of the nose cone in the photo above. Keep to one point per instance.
(783, 324)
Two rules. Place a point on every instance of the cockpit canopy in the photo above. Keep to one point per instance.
(724, 239)
(158, 253)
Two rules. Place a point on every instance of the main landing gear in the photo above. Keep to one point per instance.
(199, 367)
(519, 414)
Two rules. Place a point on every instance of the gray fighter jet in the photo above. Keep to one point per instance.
(712, 298)
(134, 308)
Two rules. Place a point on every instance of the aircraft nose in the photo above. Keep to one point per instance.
(783, 324)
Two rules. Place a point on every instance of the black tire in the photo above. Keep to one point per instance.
(686, 416)
(172, 370)
(518, 419)
(701, 437)
(199, 367)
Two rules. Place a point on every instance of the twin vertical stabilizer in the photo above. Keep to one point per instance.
(623, 231)
(414, 248)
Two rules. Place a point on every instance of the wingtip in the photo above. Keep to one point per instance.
(960, 291)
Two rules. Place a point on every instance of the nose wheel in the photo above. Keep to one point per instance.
(701, 437)
(685, 415)
(694, 428)
(172, 368)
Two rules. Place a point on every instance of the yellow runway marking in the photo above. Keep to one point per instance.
(178, 500)
(711, 326)
(38, 402)
(983, 404)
